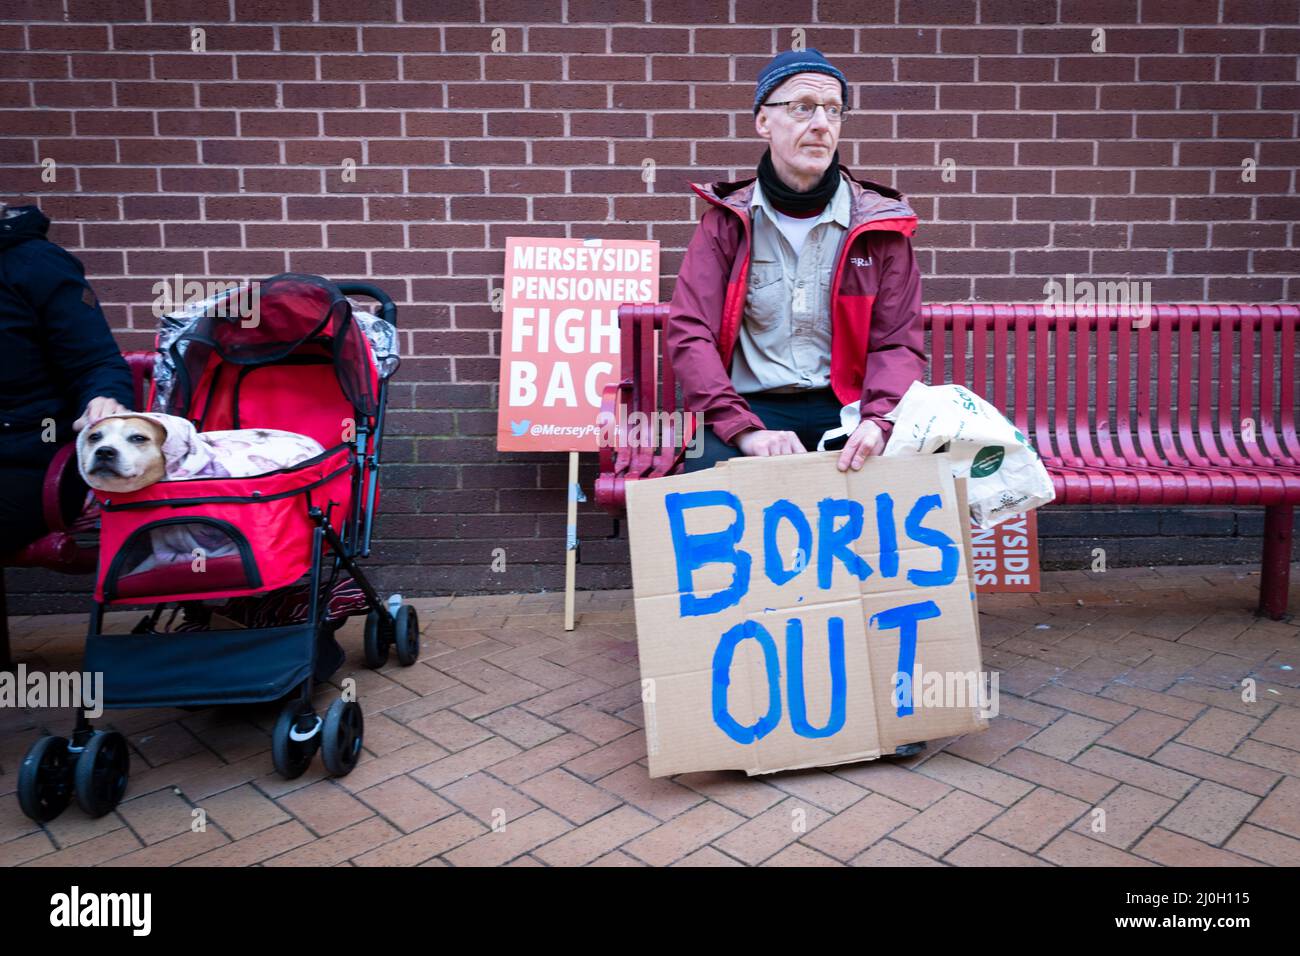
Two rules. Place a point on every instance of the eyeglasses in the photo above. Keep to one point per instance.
(803, 110)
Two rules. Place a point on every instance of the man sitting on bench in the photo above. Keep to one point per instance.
(799, 292)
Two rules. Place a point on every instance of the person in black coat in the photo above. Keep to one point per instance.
(59, 368)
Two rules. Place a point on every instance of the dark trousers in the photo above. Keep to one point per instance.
(808, 414)
(22, 520)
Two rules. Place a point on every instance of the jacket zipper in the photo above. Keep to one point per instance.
(871, 224)
(739, 304)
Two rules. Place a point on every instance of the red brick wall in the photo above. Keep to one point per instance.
(229, 163)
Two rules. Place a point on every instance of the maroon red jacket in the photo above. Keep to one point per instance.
(877, 347)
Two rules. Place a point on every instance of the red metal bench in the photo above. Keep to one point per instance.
(59, 549)
(1195, 407)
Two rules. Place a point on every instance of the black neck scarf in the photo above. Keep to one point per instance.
(789, 200)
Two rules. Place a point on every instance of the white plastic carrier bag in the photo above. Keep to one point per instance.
(1005, 476)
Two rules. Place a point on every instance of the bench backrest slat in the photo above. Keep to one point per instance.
(1084, 388)
(1001, 360)
(1061, 371)
(1227, 364)
(1167, 371)
(980, 349)
(1029, 318)
(1207, 329)
(958, 350)
(1246, 388)
(1266, 346)
(1287, 400)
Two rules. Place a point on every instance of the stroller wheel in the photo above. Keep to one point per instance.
(343, 732)
(45, 779)
(376, 641)
(102, 771)
(292, 757)
(406, 635)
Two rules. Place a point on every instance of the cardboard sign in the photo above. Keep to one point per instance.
(559, 335)
(792, 615)
(1005, 557)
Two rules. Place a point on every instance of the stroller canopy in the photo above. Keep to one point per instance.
(263, 323)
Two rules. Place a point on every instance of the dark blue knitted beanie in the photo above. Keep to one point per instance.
(785, 65)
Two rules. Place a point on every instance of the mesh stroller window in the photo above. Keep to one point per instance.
(182, 556)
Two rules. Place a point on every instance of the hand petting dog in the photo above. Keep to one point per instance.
(98, 407)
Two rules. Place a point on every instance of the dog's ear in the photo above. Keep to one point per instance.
(180, 448)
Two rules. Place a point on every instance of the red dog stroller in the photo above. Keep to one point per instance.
(286, 353)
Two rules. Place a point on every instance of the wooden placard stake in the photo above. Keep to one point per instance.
(571, 542)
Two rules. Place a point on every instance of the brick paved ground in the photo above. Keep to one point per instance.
(1119, 691)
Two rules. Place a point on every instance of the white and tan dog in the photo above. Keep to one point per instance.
(133, 450)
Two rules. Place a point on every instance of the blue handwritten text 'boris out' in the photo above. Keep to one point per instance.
(839, 524)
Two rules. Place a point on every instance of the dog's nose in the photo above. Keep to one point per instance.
(107, 453)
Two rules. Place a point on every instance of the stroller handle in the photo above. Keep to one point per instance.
(388, 311)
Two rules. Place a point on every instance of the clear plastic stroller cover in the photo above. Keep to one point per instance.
(382, 336)
(176, 329)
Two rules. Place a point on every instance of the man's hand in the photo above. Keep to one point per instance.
(867, 439)
(97, 408)
(760, 443)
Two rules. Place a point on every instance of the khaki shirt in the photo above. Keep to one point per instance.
(785, 337)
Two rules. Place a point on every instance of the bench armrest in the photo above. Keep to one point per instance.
(612, 397)
(141, 361)
(62, 468)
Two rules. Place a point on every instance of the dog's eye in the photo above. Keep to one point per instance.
(138, 439)
(94, 436)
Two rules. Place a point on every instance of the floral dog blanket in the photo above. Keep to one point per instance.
(237, 453)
